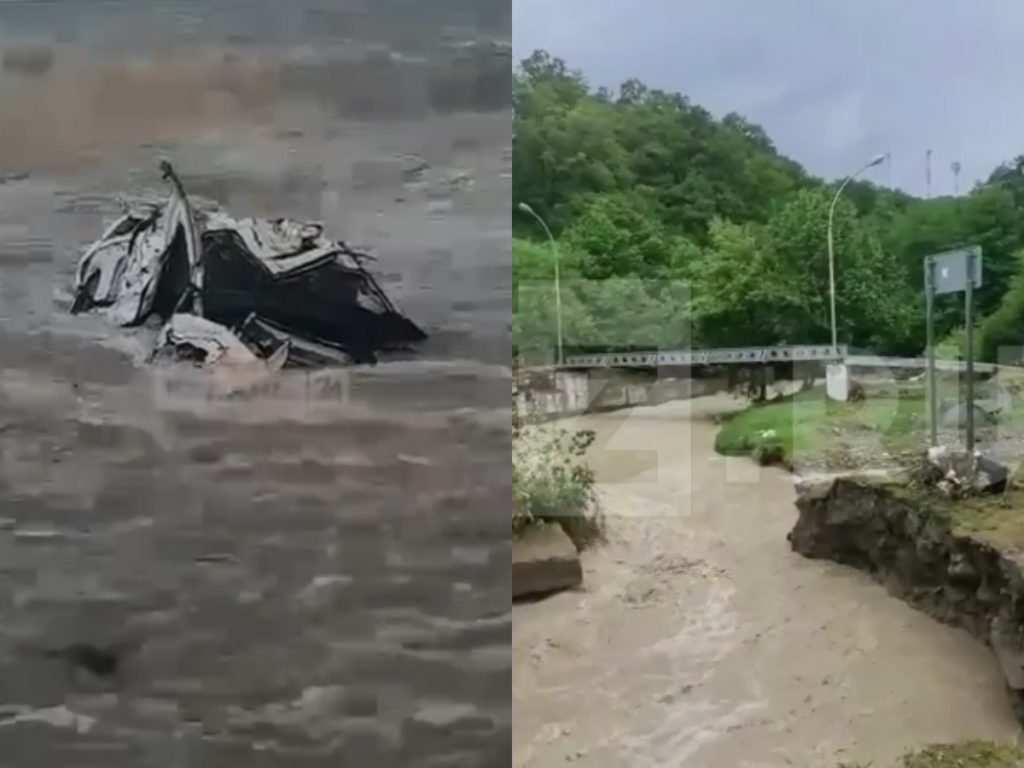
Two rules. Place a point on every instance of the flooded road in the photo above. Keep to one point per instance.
(701, 640)
(318, 575)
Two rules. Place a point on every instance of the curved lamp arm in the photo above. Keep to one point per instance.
(877, 160)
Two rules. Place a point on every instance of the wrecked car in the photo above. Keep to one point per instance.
(225, 289)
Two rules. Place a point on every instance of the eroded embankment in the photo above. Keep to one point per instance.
(700, 641)
(960, 561)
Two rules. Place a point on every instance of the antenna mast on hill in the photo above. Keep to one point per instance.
(928, 172)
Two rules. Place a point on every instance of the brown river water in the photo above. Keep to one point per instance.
(319, 575)
(702, 641)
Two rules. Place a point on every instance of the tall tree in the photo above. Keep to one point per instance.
(667, 215)
(738, 296)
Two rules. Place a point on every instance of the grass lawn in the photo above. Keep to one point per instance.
(892, 419)
(997, 519)
(807, 423)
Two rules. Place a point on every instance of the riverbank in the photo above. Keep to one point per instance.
(957, 561)
(888, 428)
(700, 640)
(970, 754)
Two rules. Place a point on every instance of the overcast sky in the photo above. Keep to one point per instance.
(833, 82)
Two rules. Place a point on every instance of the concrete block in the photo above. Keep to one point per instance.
(544, 560)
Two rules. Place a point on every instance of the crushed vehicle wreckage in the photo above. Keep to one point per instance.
(229, 291)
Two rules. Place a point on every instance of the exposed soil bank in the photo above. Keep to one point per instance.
(957, 561)
(700, 640)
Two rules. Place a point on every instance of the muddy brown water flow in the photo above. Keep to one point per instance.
(700, 640)
(316, 581)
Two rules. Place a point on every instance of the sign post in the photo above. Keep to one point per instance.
(952, 272)
(929, 301)
(969, 351)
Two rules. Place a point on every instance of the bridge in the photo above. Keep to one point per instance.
(617, 379)
(822, 353)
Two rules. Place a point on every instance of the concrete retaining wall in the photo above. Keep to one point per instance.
(568, 393)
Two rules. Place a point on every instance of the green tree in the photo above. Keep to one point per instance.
(534, 319)
(874, 306)
(1001, 334)
(620, 234)
(738, 297)
(569, 142)
(667, 215)
(987, 217)
(631, 313)
(563, 140)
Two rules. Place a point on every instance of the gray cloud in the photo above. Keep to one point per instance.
(832, 82)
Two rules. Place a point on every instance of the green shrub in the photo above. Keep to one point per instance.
(1002, 328)
(551, 482)
(952, 346)
(770, 451)
(965, 754)
(764, 431)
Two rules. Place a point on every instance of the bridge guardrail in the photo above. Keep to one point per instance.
(721, 356)
(747, 355)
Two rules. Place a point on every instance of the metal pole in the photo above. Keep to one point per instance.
(832, 273)
(969, 301)
(526, 208)
(928, 172)
(831, 254)
(929, 294)
(832, 260)
(558, 302)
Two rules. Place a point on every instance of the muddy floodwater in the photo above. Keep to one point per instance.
(318, 570)
(701, 640)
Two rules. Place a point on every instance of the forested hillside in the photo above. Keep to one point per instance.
(677, 228)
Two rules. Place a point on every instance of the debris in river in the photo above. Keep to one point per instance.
(88, 662)
(238, 291)
(6, 178)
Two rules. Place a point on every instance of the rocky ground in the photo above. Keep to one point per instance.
(315, 577)
(855, 448)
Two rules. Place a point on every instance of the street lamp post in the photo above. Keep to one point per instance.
(877, 160)
(525, 208)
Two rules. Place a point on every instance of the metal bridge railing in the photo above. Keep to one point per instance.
(721, 356)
